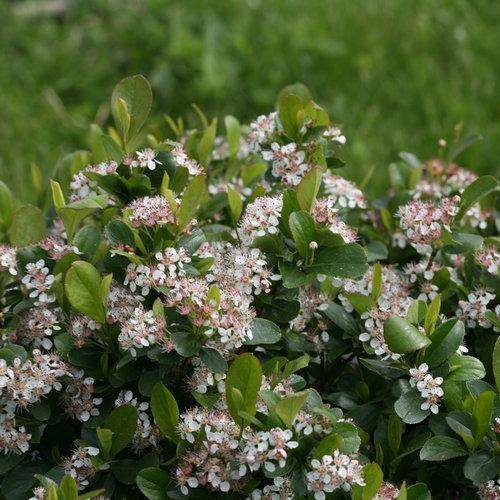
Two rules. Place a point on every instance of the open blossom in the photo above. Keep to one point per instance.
(489, 490)
(121, 303)
(473, 310)
(335, 135)
(81, 328)
(37, 325)
(82, 187)
(310, 299)
(387, 491)
(424, 221)
(78, 397)
(80, 466)
(8, 259)
(394, 300)
(429, 387)
(57, 248)
(13, 437)
(203, 378)
(25, 383)
(325, 213)
(333, 472)
(147, 434)
(170, 267)
(147, 158)
(141, 330)
(261, 218)
(241, 268)
(280, 489)
(38, 281)
(287, 163)
(150, 211)
(489, 257)
(262, 130)
(343, 192)
(182, 159)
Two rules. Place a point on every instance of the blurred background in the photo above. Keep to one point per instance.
(397, 74)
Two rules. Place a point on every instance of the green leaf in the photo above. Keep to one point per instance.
(233, 134)
(496, 363)
(186, 343)
(105, 437)
(376, 282)
(481, 467)
(474, 192)
(465, 368)
(119, 233)
(74, 213)
(69, 488)
(83, 288)
(122, 421)
(27, 227)
(165, 411)
(441, 448)
(133, 94)
(263, 332)
(432, 314)
(418, 491)
(445, 341)
(6, 205)
(308, 189)
(153, 483)
(481, 415)
(394, 432)
(462, 145)
(213, 360)
(245, 375)
(287, 408)
(235, 205)
(295, 365)
(288, 106)
(345, 261)
(350, 437)
(191, 200)
(303, 231)
(291, 276)
(383, 368)
(340, 317)
(402, 337)
(373, 476)
(416, 312)
(206, 144)
(328, 445)
(408, 407)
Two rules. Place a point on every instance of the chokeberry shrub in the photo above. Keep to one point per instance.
(224, 316)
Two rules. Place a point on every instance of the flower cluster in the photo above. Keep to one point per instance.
(83, 187)
(428, 386)
(150, 211)
(80, 465)
(424, 221)
(288, 163)
(261, 218)
(8, 259)
(38, 281)
(342, 192)
(333, 472)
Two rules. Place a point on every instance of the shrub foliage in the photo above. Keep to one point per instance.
(226, 316)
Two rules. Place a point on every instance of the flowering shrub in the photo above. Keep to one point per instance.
(228, 317)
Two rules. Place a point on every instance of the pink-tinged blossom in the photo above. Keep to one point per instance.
(82, 187)
(81, 328)
(141, 330)
(241, 268)
(39, 281)
(25, 383)
(325, 213)
(424, 221)
(147, 434)
(342, 192)
(150, 211)
(473, 310)
(182, 159)
(121, 303)
(80, 465)
(37, 326)
(489, 490)
(333, 472)
(8, 259)
(334, 134)
(260, 218)
(57, 248)
(429, 387)
(489, 257)
(288, 163)
(387, 491)
(262, 131)
(13, 437)
(78, 397)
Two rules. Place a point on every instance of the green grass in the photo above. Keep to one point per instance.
(398, 74)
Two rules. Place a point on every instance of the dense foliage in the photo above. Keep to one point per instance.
(395, 73)
(226, 316)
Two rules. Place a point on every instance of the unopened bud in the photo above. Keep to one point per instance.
(313, 245)
(442, 143)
